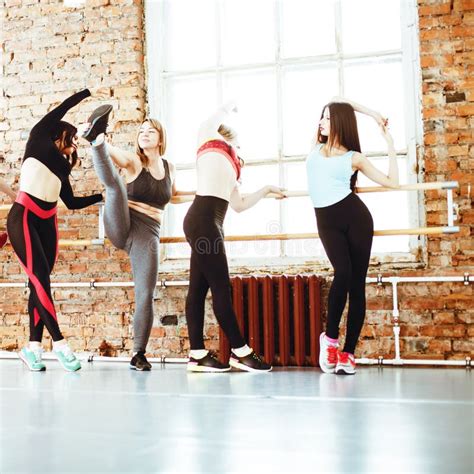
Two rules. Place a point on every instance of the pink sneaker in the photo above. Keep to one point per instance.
(327, 355)
(346, 364)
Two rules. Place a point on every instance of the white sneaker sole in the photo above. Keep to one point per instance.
(327, 370)
(344, 371)
(132, 367)
(246, 368)
(203, 369)
(25, 361)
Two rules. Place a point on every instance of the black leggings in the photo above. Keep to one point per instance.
(203, 229)
(32, 229)
(346, 230)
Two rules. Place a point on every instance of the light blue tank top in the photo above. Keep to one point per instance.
(329, 179)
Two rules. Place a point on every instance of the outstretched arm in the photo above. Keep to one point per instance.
(4, 188)
(362, 109)
(122, 158)
(74, 202)
(176, 193)
(240, 203)
(362, 163)
(52, 118)
(208, 128)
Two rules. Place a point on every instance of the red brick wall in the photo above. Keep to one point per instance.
(50, 51)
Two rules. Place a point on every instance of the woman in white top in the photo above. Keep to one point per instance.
(218, 171)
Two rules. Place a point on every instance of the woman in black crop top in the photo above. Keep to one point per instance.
(50, 155)
(133, 210)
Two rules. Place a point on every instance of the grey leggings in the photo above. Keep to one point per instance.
(138, 235)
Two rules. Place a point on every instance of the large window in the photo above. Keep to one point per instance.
(281, 61)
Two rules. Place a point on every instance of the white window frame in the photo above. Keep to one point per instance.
(155, 11)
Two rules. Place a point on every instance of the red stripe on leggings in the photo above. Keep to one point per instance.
(25, 200)
(42, 295)
(37, 316)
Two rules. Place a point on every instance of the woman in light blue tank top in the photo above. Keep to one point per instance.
(345, 224)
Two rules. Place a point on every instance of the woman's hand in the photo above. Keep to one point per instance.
(82, 128)
(280, 192)
(230, 106)
(380, 119)
(386, 134)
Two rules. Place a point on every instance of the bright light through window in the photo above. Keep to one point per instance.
(282, 61)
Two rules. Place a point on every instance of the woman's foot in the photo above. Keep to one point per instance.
(32, 359)
(327, 354)
(249, 363)
(346, 364)
(98, 122)
(3, 239)
(208, 363)
(139, 362)
(66, 357)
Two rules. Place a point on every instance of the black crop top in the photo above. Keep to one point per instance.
(149, 190)
(41, 146)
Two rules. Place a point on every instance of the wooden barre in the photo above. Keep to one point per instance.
(264, 237)
(367, 189)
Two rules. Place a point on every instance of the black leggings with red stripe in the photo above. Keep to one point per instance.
(32, 229)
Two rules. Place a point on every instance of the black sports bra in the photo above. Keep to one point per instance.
(149, 190)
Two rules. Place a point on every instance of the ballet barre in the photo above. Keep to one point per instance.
(189, 196)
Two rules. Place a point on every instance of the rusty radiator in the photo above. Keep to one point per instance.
(280, 317)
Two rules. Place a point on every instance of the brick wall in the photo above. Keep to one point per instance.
(50, 51)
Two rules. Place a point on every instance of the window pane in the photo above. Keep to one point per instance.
(248, 31)
(389, 209)
(298, 215)
(303, 33)
(174, 215)
(370, 25)
(188, 102)
(305, 92)
(190, 32)
(380, 87)
(263, 218)
(256, 98)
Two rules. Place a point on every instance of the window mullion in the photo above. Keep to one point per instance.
(339, 45)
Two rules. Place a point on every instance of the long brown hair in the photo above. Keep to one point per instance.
(343, 130)
(156, 124)
(66, 133)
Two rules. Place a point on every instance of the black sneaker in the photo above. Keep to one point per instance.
(98, 122)
(208, 363)
(139, 362)
(250, 363)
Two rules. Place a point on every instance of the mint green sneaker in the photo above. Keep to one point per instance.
(67, 359)
(32, 359)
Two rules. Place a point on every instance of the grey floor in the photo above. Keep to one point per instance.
(107, 418)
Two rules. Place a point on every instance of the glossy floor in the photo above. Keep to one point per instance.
(107, 418)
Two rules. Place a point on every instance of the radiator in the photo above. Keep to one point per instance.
(280, 317)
